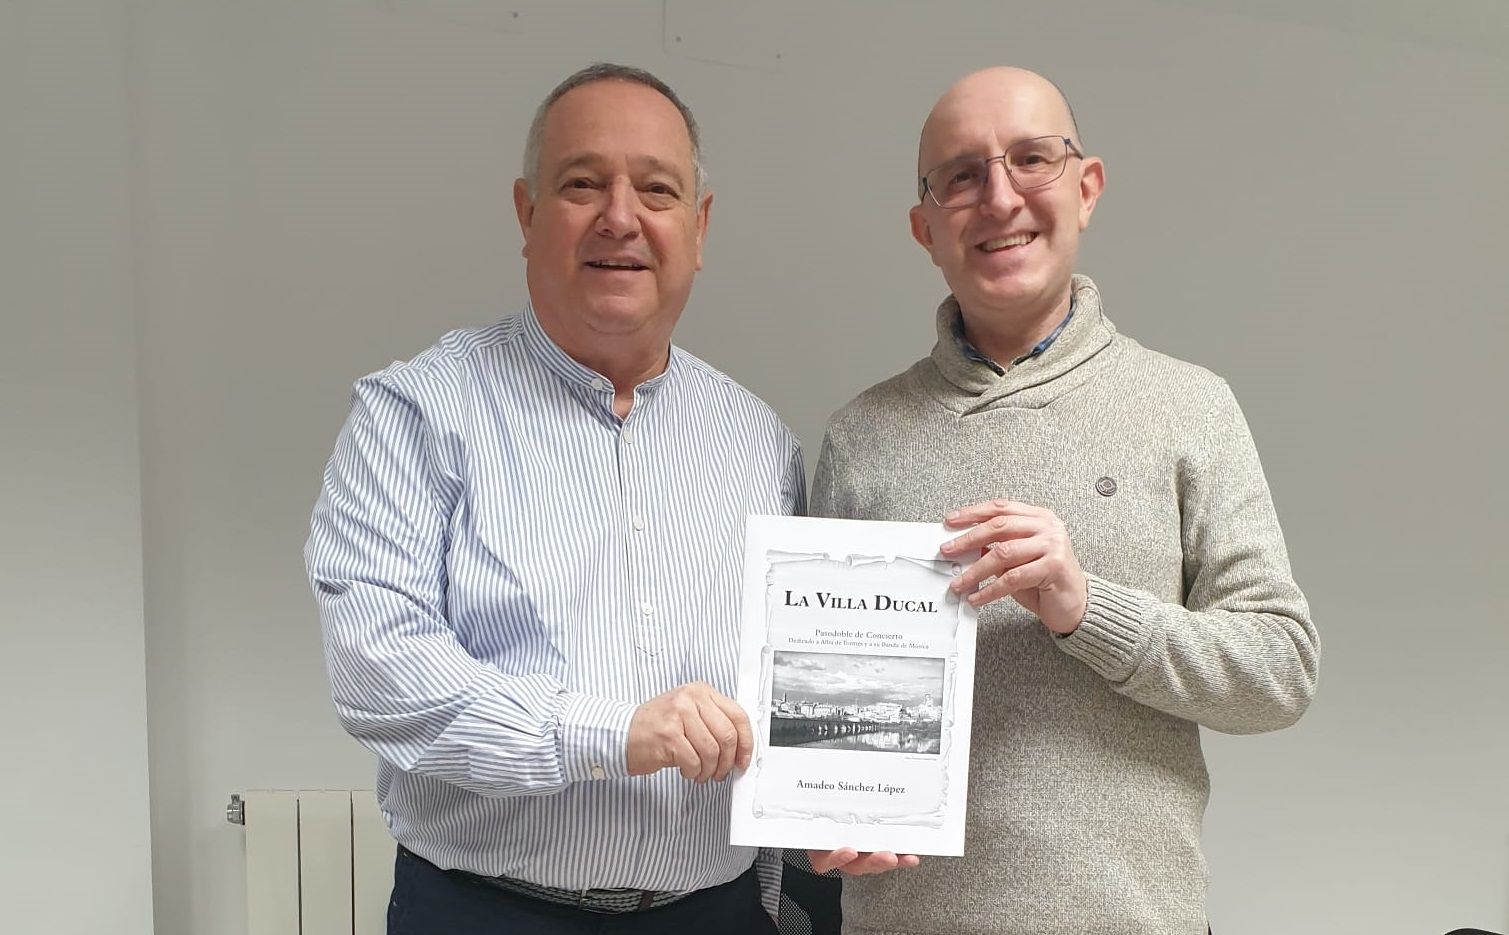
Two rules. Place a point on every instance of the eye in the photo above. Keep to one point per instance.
(1036, 156)
(963, 174)
(659, 194)
(579, 183)
(957, 177)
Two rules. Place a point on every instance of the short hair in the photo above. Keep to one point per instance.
(606, 71)
(1073, 120)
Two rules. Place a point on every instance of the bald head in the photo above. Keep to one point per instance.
(1038, 101)
(1008, 238)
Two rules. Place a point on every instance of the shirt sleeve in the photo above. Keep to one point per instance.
(794, 483)
(1240, 655)
(402, 683)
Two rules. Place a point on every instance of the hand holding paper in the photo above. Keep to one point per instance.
(855, 863)
(1027, 551)
(693, 727)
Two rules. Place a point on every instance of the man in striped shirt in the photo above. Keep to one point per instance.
(526, 556)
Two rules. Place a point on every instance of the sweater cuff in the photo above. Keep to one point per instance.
(1111, 637)
(594, 737)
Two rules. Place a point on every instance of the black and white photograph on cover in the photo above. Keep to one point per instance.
(844, 701)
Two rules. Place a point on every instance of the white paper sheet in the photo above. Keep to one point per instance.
(856, 669)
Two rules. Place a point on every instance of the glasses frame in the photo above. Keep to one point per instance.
(925, 191)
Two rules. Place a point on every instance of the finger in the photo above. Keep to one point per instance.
(723, 733)
(991, 530)
(703, 741)
(683, 756)
(984, 568)
(745, 739)
(977, 512)
(876, 862)
(985, 509)
(823, 861)
(999, 558)
(1021, 578)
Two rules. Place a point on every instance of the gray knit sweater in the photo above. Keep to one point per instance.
(1087, 784)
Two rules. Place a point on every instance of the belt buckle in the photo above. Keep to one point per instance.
(646, 900)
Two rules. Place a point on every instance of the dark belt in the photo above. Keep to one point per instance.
(590, 900)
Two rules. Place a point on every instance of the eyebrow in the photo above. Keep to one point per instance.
(977, 155)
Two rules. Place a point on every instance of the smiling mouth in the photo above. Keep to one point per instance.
(1006, 243)
(616, 265)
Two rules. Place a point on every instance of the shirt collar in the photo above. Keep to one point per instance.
(969, 351)
(571, 371)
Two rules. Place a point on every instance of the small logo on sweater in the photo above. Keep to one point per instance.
(1106, 487)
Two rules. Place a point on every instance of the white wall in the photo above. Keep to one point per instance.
(323, 185)
(73, 718)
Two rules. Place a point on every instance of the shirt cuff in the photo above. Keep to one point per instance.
(1112, 636)
(594, 737)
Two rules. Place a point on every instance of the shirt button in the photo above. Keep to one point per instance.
(598, 772)
(598, 384)
(628, 436)
(647, 609)
(639, 522)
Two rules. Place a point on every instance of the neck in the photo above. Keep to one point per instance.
(1003, 335)
(626, 360)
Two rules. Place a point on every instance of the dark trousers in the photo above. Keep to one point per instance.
(810, 903)
(430, 901)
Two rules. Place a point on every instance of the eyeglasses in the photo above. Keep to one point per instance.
(1029, 164)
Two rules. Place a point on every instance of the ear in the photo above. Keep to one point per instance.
(523, 206)
(704, 212)
(1092, 181)
(922, 232)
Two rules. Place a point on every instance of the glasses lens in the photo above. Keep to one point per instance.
(1031, 163)
(957, 182)
(1037, 162)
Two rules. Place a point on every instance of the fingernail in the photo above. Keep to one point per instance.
(953, 514)
(956, 585)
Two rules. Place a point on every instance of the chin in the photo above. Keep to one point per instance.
(619, 316)
(996, 295)
(1013, 290)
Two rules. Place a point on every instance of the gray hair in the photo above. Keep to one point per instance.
(606, 71)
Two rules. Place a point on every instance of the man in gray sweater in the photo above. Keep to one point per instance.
(1134, 583)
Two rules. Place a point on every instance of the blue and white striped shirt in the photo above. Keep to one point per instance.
(505, 569)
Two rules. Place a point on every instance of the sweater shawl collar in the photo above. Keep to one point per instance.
(966, 386)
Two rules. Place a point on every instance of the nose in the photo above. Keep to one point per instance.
(1000, 197)
(619, 217)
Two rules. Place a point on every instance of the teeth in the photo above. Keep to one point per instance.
(618, 264)
(1001, 243)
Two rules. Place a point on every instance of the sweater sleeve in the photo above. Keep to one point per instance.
(1240, 655)
(823, 492)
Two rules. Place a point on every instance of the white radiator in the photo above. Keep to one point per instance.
(317, 863)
